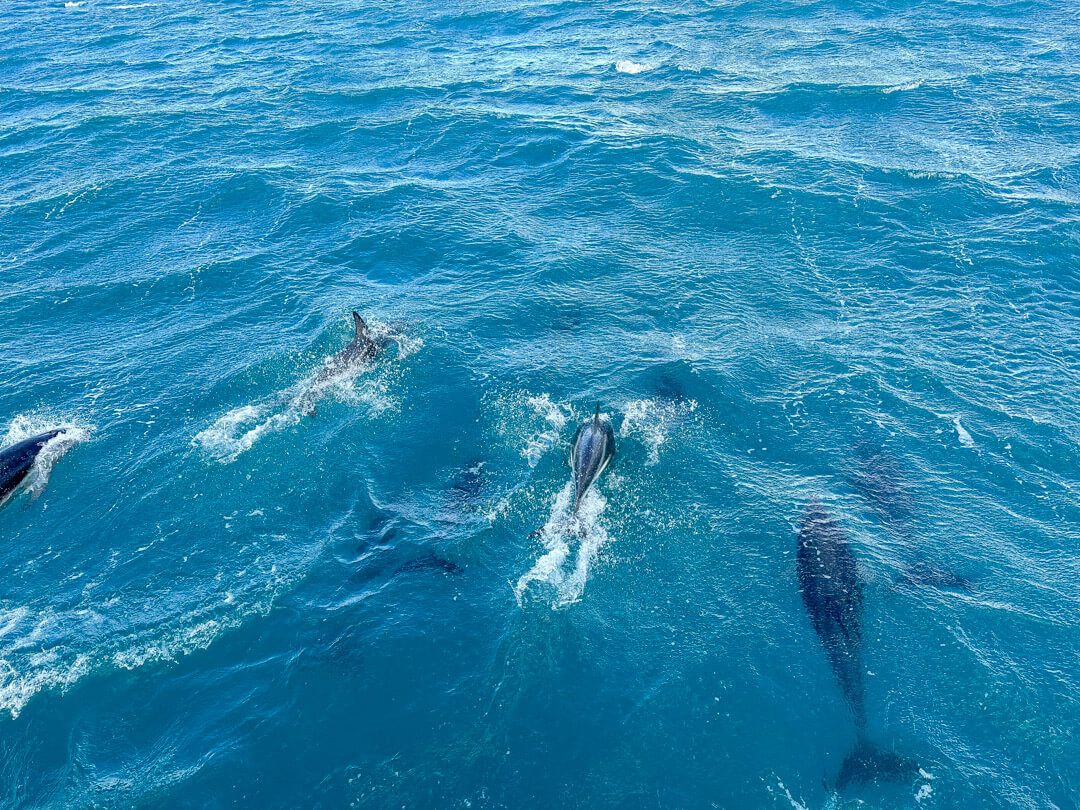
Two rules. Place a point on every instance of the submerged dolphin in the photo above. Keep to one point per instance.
(832, 592)
(594, 445)
(360, 351)
(17, 460)
(879, 479)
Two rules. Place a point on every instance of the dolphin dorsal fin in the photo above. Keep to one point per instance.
(361, 327)
(596, 418)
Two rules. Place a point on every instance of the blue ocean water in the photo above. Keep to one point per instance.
(794, 249)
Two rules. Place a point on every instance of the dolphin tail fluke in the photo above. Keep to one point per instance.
(870, 763)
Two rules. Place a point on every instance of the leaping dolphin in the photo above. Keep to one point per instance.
(832, 592)
(17, 460)
(361, 350)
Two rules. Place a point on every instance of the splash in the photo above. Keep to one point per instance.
(237, 431)
(552, 568)
(962, 434)
(555, 416)
(651, 420)
(626, 66)
(25, 427)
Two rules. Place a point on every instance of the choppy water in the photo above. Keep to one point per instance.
(783, 244)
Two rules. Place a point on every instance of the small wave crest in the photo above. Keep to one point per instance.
(650, 421)
(553, 567)
(627, 66)
(962, 433)
(27, 426)
(901, 88)
(33, 660)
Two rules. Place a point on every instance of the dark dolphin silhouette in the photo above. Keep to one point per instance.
(429, 561)
(880, 480)
(832, 591)
(593, 448)
(360, 351)
(17, 460)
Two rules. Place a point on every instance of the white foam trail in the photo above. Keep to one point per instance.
(626, 66)
(551, 567)
(49, 648)
(902, 87)
(650, 420)
(237, 431)
(795, 804)
(57, 668)
(27, 426)
(962, 434)
(555, 415)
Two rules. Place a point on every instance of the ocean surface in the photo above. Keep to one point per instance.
(794, 249)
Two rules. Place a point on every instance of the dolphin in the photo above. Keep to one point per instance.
(879, 479)
(832, 591)
(429, 561)
(593, 447)
(360, 351)
(590, 453)
(17, 460)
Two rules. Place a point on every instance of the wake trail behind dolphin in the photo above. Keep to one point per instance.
(552, 567)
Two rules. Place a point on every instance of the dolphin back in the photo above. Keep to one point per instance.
(594, 447)
(832, 592)
(16, 461)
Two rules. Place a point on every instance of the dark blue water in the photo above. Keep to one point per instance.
(794, 249)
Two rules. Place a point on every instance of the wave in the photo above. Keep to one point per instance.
(553, 568)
